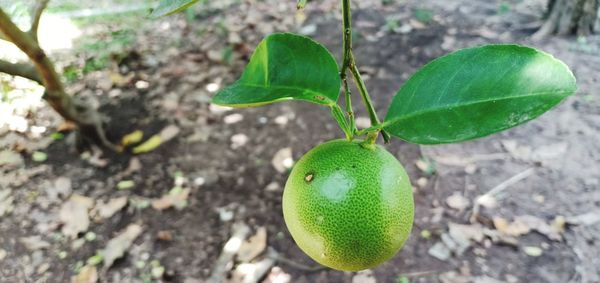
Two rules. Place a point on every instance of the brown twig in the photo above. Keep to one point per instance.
(499, 188)
(272, 253)
(239, 234)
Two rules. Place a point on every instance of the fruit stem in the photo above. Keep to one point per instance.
(350, 63)
(371, 138)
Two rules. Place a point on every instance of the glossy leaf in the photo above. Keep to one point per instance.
(476, 92)
(285, 67)
(168, 7)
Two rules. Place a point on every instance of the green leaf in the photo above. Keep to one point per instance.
(301, 4)
(476, 92)
(285, 67)
(168, 7)
(39, 156)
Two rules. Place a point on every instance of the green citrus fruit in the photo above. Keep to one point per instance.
(348, 206)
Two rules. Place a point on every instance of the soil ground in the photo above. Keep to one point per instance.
(227, 162)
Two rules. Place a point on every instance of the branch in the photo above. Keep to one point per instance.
(55, 93)
(86, 117)
(350, 63)
(347, 46)
(30, 47)
(36, 15)
(347, 37)
(21, 70)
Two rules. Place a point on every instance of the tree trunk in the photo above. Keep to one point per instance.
(565, 17)
(88, 120)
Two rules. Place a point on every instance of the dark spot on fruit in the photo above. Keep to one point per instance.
(318, 97)
(309, 177)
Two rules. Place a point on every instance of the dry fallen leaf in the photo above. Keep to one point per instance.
(106, 210)
(74, 215)
(118, 245)
(6, 202)
(515, 228)
(168, 133)
(87, 274)
(455, 277)
(440, 251)
(62, 188)
(135, 165)
(33, 243)
(132, 138)
(468, 232)
(458, 202)
(282, 160)
(552, 230)
(254, 246)
(177, 198)
(238, 140)
(365, 276)
(10, 159)
(252, 272)
(164, 235)
(526, 223)
(239, 231)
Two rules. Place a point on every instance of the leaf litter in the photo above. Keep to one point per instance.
(74, 215)
(117, 246)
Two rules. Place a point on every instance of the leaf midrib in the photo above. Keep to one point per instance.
(325, 97)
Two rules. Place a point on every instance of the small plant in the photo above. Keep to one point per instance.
(348, 203)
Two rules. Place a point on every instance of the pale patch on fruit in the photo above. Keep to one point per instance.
(320, 219)
(309, 177)
(336, 186)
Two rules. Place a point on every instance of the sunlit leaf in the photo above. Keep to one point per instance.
(301, 4)
(168, 7)
(285, 67)
(476, 92)
(132, 138)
